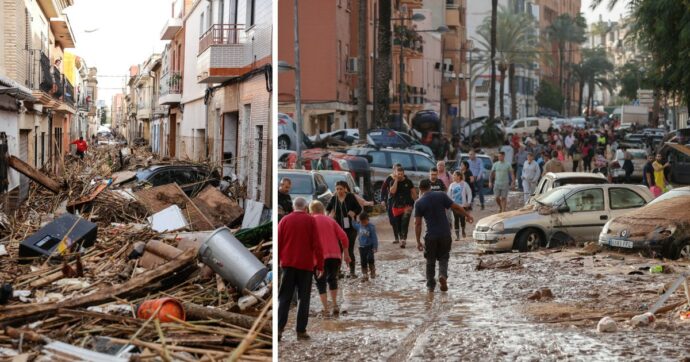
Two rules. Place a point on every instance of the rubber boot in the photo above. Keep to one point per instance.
(352, 271)
(365, 274)
(372, 268)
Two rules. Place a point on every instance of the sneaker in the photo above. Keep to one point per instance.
(463, 234)
(444, 283)
(396, 241)
(431, 289)
(336, 309)
(303, 336)
(402, 245)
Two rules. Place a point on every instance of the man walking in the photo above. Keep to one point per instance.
(81, 147)
(284, 199)
(476, 167)
(530, 176)
(436, 183)
(502, 179)
(432, 207)
(299, 252)
(554, 164)
(443, 174)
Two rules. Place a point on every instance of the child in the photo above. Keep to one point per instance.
(368, 245)
(459, 191)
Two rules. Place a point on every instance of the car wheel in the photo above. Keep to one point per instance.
(377, 192)
(681, 250)
(529, 240)
(283, 143)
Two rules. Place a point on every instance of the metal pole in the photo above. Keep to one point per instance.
(401, 69)
(373, 70)
(298, 90)
(440, 105)
(460, 52)
(469, 91)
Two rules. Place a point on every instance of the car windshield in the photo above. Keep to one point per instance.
(301, 184)
(553, 196)
(332, 178)
(671, 194)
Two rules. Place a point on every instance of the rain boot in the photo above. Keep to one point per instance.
(457, 235)
(372, 268)
(365, 274)
(352, 271)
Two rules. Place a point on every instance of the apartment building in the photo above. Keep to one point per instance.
(38, 102)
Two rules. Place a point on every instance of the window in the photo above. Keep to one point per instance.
(586, 200)
(251, 15)
(339, 60)
(160, 178)
(625, 199)
(202, 23)
(403, 159)
(378, 159)
(533, 123)
(423, 163)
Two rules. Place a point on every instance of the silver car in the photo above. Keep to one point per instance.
(571, 212)
(287, 134)
(307, 184)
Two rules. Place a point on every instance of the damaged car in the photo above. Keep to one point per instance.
(662, 227)
(567, 213)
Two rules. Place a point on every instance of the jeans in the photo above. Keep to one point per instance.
(389, 209)
(329, 277)
(366, 255)
(294, 279)
(478, 191)
(401, 224)
(528, 188)
(519, 175)
(587, 164)
(575, 164)
(459, 222)
(351, 238)
(436, 248)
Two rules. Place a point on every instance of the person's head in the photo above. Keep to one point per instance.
(341, 188)
(464, 166)
(659, 157)
(433, 174)
(81, 138)
(650, 157)
(546, 156)
(399, 172)
(316, 208)
(299, 204)
(395, 167)
(285, 185)
(501, 156)
(473, 155)
(554, 154)
(530, 157)
(364, 218)
(441, 166)
(506, 143)
(424, 186)
(458, 176)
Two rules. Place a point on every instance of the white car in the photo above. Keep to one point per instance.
(348, 135)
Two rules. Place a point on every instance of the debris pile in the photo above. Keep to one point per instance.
(90, 268)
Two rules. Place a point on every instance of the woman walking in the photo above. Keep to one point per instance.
(344, 208)
(402, 196)
(461, 193)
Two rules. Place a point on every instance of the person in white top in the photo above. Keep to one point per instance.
(530, 176)
(569, 140)
(461, 193)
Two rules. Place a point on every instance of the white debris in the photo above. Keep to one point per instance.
(50, 298)
(642, 319)
(3, 250)
(23, 295)
(74, 282)
(607, 324)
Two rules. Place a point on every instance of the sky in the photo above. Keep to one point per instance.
(603, 11)
(128, 32)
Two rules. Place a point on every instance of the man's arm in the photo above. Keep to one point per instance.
(413, 192)
(462, 212)
(394, 188)
(492, 176)
(418, 232)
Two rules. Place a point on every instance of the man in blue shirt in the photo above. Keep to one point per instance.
(432, 206)
(476, 167)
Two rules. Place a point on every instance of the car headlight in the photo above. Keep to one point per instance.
(605, 230)
(498, 227)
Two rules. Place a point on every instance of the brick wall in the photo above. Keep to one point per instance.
(9, 12)
(253, 92)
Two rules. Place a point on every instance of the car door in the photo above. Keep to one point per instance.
(423, 165)
(585, 215)
(623, 200)
(380, 166)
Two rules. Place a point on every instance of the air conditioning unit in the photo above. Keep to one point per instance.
(352, 65)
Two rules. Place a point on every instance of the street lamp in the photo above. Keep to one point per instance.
(401, 65)
(284, 66)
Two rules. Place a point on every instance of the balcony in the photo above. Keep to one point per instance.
(170, 89)
(221, 54)
(172, 26)
(48, 85)
(63, 32)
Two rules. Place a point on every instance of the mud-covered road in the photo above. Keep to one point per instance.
(486, 314)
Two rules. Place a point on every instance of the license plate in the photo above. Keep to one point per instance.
(480, 237)
(621, 243)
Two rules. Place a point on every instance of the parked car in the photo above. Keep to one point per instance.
(639, 159)
(287, 134)
(307, 184)
(552, 180)
(469, 128)
(416, 145)
(190, 178)
(679, 157)
(381, 161)
(347, 135)
(486, 162)
(662, 226)
(332, 177)
(383, 137)
(578, 122)
(528, 125)
(571, 212)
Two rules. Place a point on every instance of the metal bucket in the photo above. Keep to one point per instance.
(231, 260)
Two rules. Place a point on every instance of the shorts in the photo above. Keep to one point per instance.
(501, 190)
(329, 277)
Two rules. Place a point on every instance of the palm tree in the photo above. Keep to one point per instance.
(516, 44)
(492, 88)
(594, 71)
(563, 31)
(579, 73)
(383, 65)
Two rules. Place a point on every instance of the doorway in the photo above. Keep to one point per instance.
(230, 151)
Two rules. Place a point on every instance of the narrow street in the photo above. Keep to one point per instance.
(486, 314)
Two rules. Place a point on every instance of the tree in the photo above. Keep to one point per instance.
(516, 43)
(565, 31)
(594, 71)
(492, 87)
(549, 96)
(382, 78)
(362, 72)
(631, 77)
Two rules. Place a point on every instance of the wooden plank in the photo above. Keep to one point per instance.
(219, 208)
(32, 173)
(160, 197)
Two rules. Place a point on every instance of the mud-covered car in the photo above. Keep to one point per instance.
(557, 179)
(662, 227)
(566, 213)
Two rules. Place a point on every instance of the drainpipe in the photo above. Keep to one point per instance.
(207, 100)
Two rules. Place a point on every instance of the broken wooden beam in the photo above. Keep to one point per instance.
(199, 312)
(32, 173)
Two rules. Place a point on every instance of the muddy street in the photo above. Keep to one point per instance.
(488, 314)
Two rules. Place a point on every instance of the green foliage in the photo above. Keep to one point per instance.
(549, 96)
(631, 77)
(491, 136)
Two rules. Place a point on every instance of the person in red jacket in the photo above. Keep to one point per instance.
(81, 147)
(299, 253)
(333, 242)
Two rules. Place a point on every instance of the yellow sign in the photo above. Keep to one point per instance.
(68, 67)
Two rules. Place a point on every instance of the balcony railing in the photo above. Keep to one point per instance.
(46, 78)
(171, 83)
(220, 34)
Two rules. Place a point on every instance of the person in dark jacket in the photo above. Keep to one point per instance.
(403, 194)
(344, 208)
(385, 200)
(284, 199)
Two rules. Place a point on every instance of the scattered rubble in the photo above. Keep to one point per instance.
(607, 325)
(541, 293)
(97, 264)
